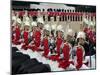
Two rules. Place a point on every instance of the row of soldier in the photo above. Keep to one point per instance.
(57, 45)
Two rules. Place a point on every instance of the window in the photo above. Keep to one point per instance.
(62, 10)
(54, 18)
(73, 10)
(67, 10)
(54, 10)
(91, 18)
(78, 18)
(43, 9)
(81, 18)
(65, 18)
(70, 10)
(70, 18)
(60, 18)
(73, 17)
(44, 18)
(49, 18)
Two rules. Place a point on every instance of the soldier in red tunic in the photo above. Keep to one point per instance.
(32, 44)
(26, 36)
(45, 41)
(16, 29)
(38, 32)
(37, 37)
(65, 63)
(79, 55)
(80, 52)
(59, 40)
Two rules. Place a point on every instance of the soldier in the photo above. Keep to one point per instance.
(39, 32)
(25, 16)
(70, 37)
(13, 17)
(45, 41)
(65, 61)
(71, 40)
(59, 40)
(32, 44)
(80, 51)
(17, 31)
(40, 22)
(26, 36)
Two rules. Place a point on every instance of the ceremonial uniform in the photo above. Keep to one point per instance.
(26, 36)
(16, 34)
(81, 52)
(58, 44)
(46, 47)
(79, 55)
(33, 45)
(45, 42)
(37, 38)
(65, 62)
(59, 40)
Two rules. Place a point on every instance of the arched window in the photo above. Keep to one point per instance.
(70, 10)
(49, 18)
(91, 18)
(62, 10)
(73, 17)
(78, 18)
(60, 18)
(54, 18)
(67, 10)
(43, 9)
(73, 10)
(43, 17)
(54, 10)
(68, 17)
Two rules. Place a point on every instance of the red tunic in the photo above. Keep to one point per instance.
(17, 31)
(79, 55)
(85, 30)
(90, 35)
(25, 37)
(33, 35)
(17, 36)
(46, 47)
(21, 13)
(65, 62)
(37, 38)
(32, 47)
(58, 43)
(66, 50)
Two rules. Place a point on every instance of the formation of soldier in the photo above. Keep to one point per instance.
(67, 47)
